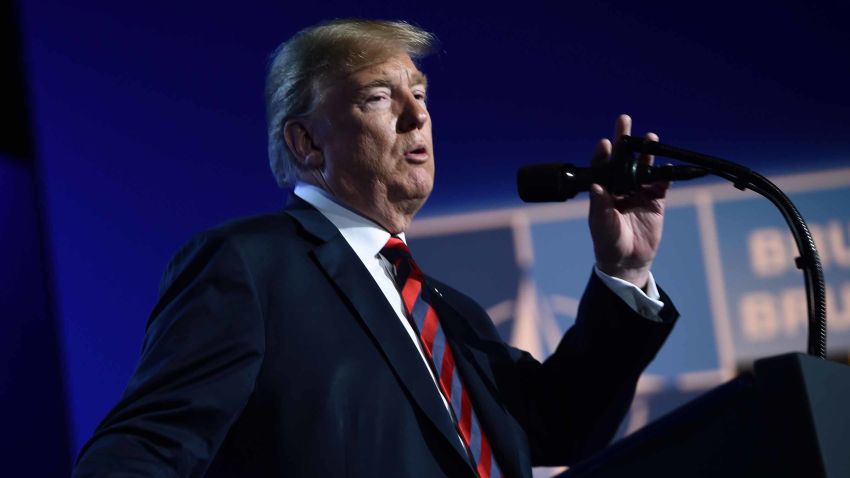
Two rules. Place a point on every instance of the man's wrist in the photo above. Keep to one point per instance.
(646, 302)
(637, 276)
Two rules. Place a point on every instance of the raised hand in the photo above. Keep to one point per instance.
(626, 230)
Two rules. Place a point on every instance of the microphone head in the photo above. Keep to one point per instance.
(548, 182)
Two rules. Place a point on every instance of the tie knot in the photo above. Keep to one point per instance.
(396, 250)
(398, 254)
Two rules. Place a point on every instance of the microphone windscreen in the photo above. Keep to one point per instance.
(545, 182)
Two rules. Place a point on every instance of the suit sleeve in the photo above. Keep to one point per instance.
(201, 356)
(572, 404)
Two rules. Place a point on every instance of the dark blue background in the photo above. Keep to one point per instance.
(149, 122)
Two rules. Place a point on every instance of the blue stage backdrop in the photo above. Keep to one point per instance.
(150, 126)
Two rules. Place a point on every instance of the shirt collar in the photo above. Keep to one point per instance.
(363, 235)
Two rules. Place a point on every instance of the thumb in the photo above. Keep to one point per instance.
(602, 215)
(600, 200)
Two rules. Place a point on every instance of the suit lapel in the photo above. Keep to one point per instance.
(356, 284)
(474, 367)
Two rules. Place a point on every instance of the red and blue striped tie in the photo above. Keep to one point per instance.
(427, 324)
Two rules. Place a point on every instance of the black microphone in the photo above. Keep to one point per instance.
(621, 175)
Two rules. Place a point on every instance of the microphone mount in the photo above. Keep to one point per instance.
(744, 178)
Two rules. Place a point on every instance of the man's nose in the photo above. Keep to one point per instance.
(414, 115)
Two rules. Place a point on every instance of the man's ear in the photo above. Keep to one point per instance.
(296, 133)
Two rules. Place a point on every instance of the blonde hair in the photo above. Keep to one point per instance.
(300, 68)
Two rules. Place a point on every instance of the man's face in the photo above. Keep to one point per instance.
(374, 133)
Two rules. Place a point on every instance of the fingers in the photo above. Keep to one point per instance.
(622, 126)
(602, 153)
(648, 159)
(600, 200)
(599, 192)
(600, 204)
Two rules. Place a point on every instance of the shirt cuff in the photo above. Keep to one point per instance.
(646, 304)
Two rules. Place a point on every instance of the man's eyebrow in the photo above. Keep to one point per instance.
(417, 78)
(377, 83)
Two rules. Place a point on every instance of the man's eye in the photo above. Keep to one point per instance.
(375, 98)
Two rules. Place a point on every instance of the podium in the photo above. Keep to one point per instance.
(789, 417)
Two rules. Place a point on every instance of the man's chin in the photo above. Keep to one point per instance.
(410, 202)
(416, 189)
(414, 204)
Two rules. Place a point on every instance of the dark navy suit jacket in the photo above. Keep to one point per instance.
(272, 352)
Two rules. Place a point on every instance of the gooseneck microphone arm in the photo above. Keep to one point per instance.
(743, 178)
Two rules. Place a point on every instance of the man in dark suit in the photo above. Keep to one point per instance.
(309, 342)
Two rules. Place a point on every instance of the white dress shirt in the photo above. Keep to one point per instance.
(367, 239)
